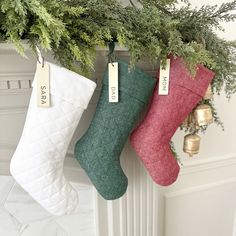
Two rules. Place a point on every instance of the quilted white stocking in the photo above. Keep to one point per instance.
(37, 164)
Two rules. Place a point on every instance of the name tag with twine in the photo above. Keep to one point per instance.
(113, 81)
(164, 79)
(43, 85)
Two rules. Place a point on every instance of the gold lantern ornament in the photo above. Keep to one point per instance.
(203, 115)
(191, 144)
(208, 94)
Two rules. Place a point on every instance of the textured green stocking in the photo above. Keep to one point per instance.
(98, 151)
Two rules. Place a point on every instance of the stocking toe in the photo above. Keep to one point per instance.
(111, 184)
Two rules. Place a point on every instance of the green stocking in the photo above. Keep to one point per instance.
(98, 151)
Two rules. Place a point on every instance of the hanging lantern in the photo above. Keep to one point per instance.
(203, 115)
(191, 144)
(208, 94)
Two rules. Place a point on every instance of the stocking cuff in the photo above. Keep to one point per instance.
(180, 75)
(70, 86)
(135, 82)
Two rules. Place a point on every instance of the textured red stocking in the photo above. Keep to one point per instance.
(166, 113)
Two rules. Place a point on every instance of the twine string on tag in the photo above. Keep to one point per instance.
(40, 58)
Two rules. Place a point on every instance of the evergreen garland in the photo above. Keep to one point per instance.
(151, 29)
(73, 28)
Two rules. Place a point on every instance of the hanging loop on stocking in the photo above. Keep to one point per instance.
(111, 55)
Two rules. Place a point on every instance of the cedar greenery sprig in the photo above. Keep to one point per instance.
(73, 28)
(199, 25)
(151, 29)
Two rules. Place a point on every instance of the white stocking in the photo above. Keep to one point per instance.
(37, 164)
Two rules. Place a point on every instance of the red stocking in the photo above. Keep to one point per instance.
(152, 137)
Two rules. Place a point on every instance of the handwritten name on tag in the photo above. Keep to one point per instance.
(164, 79)
(43, 85)
(113, 82)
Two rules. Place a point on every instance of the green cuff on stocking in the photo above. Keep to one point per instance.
(98, 151)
